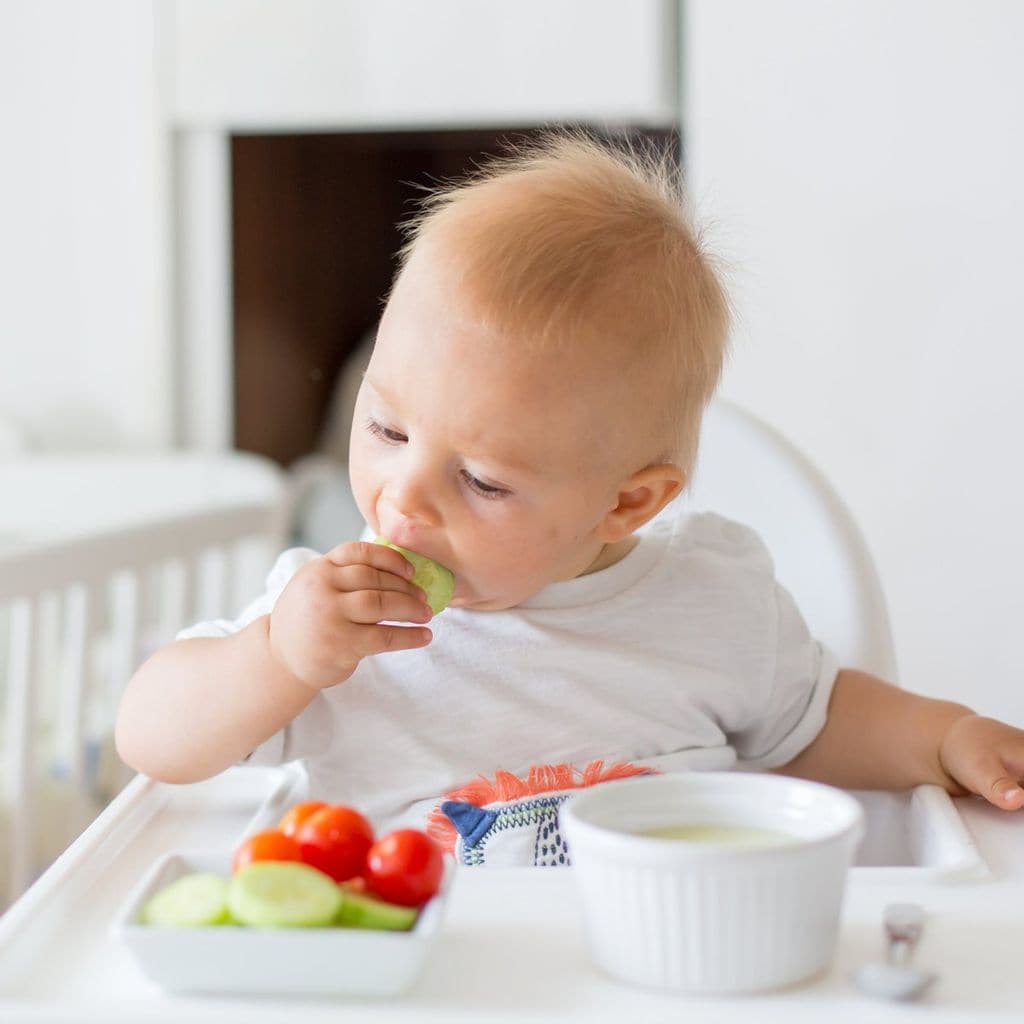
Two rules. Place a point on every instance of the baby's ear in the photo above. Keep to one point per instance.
(641, 497)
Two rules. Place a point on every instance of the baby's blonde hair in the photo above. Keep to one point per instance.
(569, 240)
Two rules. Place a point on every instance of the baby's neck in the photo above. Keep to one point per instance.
(612, 553)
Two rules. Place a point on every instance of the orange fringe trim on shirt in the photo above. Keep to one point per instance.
(542, 778)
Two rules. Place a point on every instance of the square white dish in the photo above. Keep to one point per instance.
(271, 961)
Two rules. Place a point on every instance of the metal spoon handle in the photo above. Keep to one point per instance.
(903, 925)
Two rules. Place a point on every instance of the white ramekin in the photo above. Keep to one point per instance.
(701, 917)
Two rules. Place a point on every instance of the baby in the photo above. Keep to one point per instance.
(533, 401)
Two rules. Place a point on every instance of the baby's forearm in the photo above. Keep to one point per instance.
(878, 736)
(197, 706)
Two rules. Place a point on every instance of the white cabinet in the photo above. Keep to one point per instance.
(259, 64)
(356, 65)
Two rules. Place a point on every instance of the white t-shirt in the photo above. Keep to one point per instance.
(685, 654)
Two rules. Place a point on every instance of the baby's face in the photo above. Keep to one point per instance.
(495, 465)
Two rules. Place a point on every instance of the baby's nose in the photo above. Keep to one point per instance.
(414, 506)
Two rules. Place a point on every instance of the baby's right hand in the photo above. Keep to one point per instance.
(326, 619)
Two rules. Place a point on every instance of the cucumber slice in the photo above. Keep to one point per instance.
(436, 581)
(283, 894)
(191, 901)
(359, 911)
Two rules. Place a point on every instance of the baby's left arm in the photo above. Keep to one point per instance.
(878, 736)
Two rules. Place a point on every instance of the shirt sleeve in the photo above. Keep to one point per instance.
(794, 704)
(307, 731)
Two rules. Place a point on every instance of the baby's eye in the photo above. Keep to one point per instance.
(484, 490)
(393, 437)
(389, 436)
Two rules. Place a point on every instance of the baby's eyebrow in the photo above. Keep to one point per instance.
(514, 464)
(380, 391)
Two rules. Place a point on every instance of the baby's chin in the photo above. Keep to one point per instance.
(483, 606)
(480, 603)
(475, 604)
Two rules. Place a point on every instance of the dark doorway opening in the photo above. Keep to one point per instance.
(314, 241)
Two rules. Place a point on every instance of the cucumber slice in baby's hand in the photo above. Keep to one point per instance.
(283, 894)
(191, 901)
(437, 582)
(359, 911)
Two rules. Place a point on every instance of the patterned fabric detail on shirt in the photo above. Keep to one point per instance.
(513, 821)
(523, 833)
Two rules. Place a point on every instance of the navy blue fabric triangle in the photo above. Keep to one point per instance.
(470, 821)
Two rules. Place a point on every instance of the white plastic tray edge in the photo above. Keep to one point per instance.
(142, 795)
(943, 846)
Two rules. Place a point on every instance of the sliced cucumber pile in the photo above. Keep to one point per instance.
(272, 894)
(283, 894)
(359, 911)
(189, 902)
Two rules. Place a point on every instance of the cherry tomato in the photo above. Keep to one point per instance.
(268, 845)
(290, 823)
(405, 867)
(335, 840)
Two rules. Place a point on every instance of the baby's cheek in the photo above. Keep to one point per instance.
(494, 562)
(560, 539)
(362, 479)
(535, 562)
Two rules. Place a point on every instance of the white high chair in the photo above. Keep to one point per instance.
(748, 471)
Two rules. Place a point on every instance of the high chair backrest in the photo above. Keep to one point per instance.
(748, 471)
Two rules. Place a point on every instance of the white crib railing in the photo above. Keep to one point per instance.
(76, 618)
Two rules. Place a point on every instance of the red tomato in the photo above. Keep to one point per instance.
(268, 845)
(404, 867)
(335, 840)
(290, 823)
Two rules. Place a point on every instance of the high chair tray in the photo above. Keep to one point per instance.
(511, 943)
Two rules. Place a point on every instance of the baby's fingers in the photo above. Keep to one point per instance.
(990, 778)
(380, 639)
(985, 756)
(361, 552)
(352, 578)
(369, 606)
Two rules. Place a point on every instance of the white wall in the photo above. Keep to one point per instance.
(355, 64)
(863, 162)
(84, 342)
(90, 93)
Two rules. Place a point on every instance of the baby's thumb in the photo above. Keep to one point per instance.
(989, 779)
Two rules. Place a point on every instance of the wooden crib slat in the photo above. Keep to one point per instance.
(98, 650)
(71, 722)
(47, 696)
(213, 586)
(169, 599)
(189, 589)
(21, 645)
(241, 587)
(124, 620)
